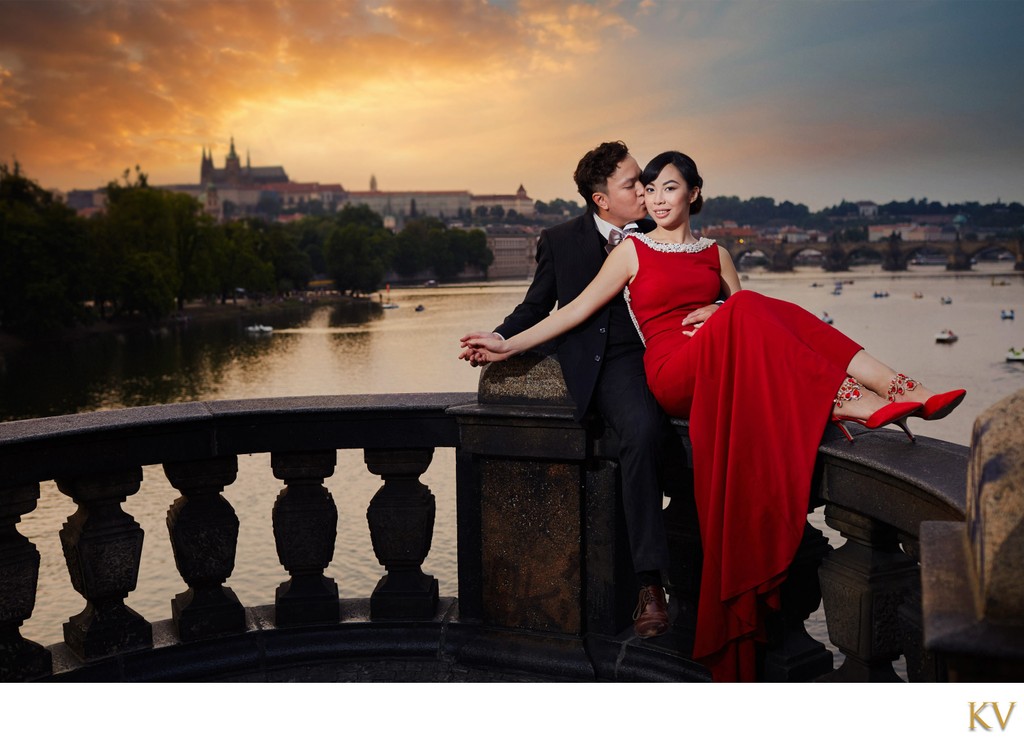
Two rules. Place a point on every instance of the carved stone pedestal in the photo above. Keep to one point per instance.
(305, 529)
(103, 547)
(204, 534)
(20, 659)
(401, 520)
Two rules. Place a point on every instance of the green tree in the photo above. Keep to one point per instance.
(421, 245)
(43, 257)
(139, 255)
(358, 256)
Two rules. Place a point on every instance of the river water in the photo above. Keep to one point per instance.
(322, 350)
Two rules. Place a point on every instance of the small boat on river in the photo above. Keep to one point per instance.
(1006, 314)
(946, 300)
(258, 328)
(945, 336)
(1015, 354)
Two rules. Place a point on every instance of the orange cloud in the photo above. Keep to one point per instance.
(87, 87)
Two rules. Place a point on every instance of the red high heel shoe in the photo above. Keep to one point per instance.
(937, 407)
(892, 413)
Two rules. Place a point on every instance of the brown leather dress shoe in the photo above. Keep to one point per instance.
(651, 615)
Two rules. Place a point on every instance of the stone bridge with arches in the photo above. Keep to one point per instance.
(893, 254)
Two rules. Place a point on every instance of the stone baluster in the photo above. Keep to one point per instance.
(20, 659)
(401, 519)
(103, 546)
(863, 585)
(792, 654)
(203, 529)
(305, 521)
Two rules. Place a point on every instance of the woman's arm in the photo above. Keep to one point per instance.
(617, 271)
(730, 279)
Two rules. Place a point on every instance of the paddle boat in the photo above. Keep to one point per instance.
(945, 336)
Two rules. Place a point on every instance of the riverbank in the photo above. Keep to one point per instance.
(243, 309)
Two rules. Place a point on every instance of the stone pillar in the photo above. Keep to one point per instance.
(959, 260)
(103, 547)
(863, 584)
(893, 258)
(972, 573)
(522, 505)
(780, 258)
(835, 258)
(20, 659)
(305, 522)
(203, 529)
(401, 519)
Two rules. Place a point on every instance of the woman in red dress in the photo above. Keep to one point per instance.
(758, 380)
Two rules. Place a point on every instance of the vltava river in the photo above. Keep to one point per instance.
(320, 351)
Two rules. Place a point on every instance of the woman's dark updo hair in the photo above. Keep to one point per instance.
(687, 168)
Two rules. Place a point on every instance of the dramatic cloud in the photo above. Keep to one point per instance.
(485, 95)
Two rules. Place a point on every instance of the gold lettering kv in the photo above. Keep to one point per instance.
(978, 721)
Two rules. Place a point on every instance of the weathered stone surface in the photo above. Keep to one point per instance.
(530, 528)
(530, 378)
(995, 510)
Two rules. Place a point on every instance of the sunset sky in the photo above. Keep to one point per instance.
(811, 101)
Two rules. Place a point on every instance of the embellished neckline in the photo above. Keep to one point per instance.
(674, 247)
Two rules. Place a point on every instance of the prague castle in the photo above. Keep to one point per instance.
(235, 190)
(234, 174)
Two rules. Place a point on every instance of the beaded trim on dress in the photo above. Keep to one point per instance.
(673, 247)
(662, 247)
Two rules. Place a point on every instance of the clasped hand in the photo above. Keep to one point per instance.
(481, 347)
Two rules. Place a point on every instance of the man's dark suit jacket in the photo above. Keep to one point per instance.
(568, 258)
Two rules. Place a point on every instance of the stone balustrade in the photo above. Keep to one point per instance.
(544, 586)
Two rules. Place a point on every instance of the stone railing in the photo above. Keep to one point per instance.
(544, 587)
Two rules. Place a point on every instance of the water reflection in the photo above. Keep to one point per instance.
(172, 363)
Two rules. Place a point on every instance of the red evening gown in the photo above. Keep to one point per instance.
(757, 383)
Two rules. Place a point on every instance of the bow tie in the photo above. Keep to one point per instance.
(614, 238)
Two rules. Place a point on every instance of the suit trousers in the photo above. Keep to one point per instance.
(645, 437)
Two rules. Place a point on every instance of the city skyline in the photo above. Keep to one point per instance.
(813, 102)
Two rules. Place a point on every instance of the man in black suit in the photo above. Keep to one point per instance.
(602, 359)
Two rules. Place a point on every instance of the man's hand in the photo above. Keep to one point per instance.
(474, 347)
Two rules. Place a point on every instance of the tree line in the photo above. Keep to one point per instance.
(150, 251)
(762, 211)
